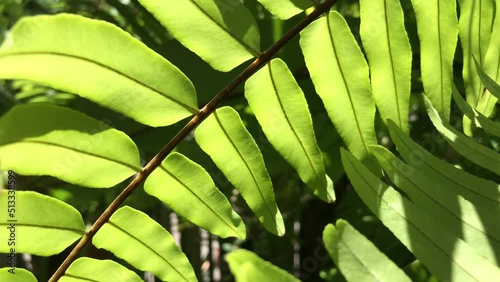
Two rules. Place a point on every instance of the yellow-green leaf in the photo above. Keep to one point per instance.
(437, 25)
(89, 269)
(133, 236)
(100, 62)
(281, 109)
(389, 53)
(248, 267)
(340, 74)
(187, 188)
(222, 32)
(464, 145)
(41, 225)
(43, 139)
(445, 255)
(16, 275)
(356, 257)
(224, 137)
(285, 9)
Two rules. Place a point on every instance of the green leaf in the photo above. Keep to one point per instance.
(490, 84)
(466, 146)
(476, 18)
(248, 267)
(133, 236)
(340, 74)
(86, 57)
(16, 275)
(445, 255)
(89, 269)
(285, 9)
(437, 25)
(43, 139)
(389, 53)
(485, 123)
(188, 189)
(224, 137)
(281, 109)
(36, 218)
(484, 194)
(356, 257)
(491, 66)
(222, 32)
(480, 230)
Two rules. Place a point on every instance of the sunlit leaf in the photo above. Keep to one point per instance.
(16, 275)
(222, 32)
(437, 25)
(35, 218)
(224, 137)
(492, 86)
(356, 257)
(133, 236)
(445, 255)
(188, 189)
(480, 230)
(281, 109)
(285, 9)
(340, 74)
(475, 22)
(98, 61)
(485, 123)
(89, 269)
(389, 53)
(476, 18)
(484, 194)
(248, 267)
(487, 102)
(466, 146)
(43, 139)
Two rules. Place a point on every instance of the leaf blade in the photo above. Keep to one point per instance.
(247, 266)
(21, 275)
(467, 147)
(389, 54)
(40, 218)
(356, 257)
(89, 269)
(281, 109)
(437, 48)
(149, 246)
(483, 193)
(103, 77)
(242, 163)
(285, 9)
(480, 230)
(352, 105)
(433, 245)
(193, 186)
(43, 139)
(223, 33)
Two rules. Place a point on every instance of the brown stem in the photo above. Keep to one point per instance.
(197, 119)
